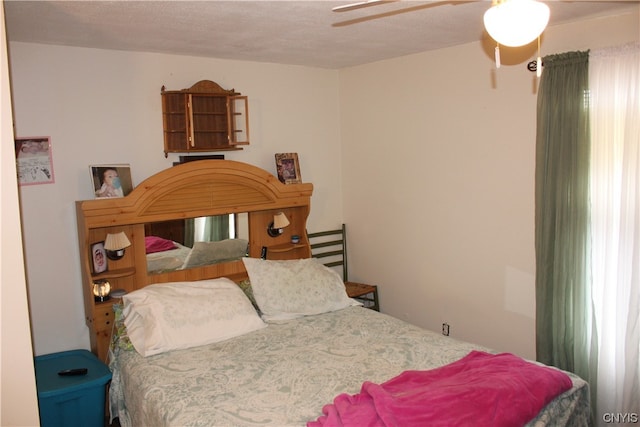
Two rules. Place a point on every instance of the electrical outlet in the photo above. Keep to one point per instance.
(445, 329)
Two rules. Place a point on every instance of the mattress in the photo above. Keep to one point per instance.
(283, 375)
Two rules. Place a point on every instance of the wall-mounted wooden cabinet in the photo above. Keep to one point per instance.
(204, 117)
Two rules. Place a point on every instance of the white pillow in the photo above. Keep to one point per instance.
(295, 288)
(176, 315)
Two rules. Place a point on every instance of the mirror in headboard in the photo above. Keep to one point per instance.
(188, 243)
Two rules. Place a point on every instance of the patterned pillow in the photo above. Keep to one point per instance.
(245, 285)
(295, 288)
(120, 338)
(176, 315)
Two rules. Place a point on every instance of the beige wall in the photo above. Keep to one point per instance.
(428, 158)
(438, 182)
(103, 106)
(18, 397)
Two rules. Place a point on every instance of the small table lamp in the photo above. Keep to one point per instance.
(280, 221)
(101, 290)
(115, 244)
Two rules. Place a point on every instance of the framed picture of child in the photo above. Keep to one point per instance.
(111, 180)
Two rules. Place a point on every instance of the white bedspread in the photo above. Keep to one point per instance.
(284, 374)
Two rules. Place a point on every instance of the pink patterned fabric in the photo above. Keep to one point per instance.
(481, 389)
(155, 244)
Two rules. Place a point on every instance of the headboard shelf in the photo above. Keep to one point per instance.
(205, 187)
(286, 247)
(114, 274)
(194, 189)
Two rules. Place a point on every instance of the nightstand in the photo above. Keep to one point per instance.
(366, 294)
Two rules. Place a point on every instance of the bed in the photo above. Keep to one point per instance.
(284, 374)
(297, 356)
(275, 341)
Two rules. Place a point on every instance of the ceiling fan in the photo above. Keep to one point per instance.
(509, 22)
(360, 4)
(413, 7)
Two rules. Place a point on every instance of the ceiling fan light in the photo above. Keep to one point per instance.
(516, 22)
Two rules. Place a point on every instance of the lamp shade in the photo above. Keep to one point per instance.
(280, 220)
(115, 242)
(516, 22)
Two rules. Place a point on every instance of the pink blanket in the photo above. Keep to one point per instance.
(481, 389)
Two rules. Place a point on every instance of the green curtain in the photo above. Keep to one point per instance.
(189, 232)
(564, 327)
(211, 229)
(216, 228)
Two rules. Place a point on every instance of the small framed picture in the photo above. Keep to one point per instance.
(99, 258)
(111, 180)
(33, 160)
(288, 168)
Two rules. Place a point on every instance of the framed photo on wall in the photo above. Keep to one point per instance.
(288, 168)
(99, 258)
(34, 163)
(111, 180)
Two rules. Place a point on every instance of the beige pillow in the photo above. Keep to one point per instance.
(164, 264)
(294, 288)
(206, 253)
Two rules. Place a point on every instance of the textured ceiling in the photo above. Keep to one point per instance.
(287, 32)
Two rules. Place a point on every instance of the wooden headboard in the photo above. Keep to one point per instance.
(192, 189)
